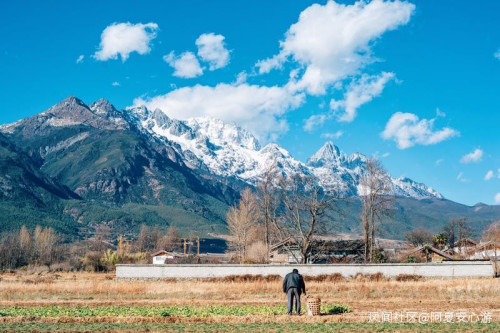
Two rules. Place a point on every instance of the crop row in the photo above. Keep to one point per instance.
(250, 328)
(153, 311)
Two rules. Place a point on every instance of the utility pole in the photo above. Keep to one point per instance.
(185, 245)
(198, 246)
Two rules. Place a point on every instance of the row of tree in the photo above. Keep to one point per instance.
(38, 247)
(452, 235)
(295, 211)
(101, 252)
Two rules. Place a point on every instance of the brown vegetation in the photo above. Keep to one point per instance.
(363, 293)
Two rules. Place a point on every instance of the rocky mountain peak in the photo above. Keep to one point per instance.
(327, 155)
(71, 106)
(103, 107)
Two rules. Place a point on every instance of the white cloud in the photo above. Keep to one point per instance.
(186, 65)
(315, 120)
(439, 161)
(489, 175)
(407, 130)
(125, 38)
(115, 84)
(241, 78)
(275, 62)
(497, 54)
(80, 58)
(440, 113)
(472, 157)
(211, 49)
(334, 135)
(333, 41)
(384, 155)
(256, 108)
(461, 178)
(497, 198)
(360, 92)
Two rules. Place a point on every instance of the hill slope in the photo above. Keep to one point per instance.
(82, 165)
(122, 177)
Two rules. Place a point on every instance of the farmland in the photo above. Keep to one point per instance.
(84, 302)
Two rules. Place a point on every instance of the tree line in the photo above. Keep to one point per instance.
(294, 211)
(44, 247)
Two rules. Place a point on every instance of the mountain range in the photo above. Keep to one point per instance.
(75, 166)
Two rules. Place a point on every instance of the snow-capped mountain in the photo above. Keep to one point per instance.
(338, 172)
(227, 150)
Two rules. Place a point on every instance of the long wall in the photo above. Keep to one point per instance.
(443, 269)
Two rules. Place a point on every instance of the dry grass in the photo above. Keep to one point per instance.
(363, 294)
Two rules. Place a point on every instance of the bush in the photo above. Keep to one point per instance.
(92, 262)
(370, 277)
(338, 309)
(410, 260)
(379, 257)
(409, 277)
(246, 278)
(335, 277)
(257, 252)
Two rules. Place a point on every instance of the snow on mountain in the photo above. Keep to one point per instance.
(340, 173)
(409, 188)
(228, 150)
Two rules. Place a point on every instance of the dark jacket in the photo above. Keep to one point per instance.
(294, 280)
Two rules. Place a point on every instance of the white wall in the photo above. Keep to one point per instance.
(443, 269)
(159, 260)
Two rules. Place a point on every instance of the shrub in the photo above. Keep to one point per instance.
(370, 277)
(257, 252)
(338, 309)
(335, 277)
(409, 277)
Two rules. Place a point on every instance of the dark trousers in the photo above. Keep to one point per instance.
(291, 294)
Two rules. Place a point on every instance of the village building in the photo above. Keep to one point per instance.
(323, 252)
(164, 257)
(464, 248)
(161, 257)
(428, 253)
(486, 251)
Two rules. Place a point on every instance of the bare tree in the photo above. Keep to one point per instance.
(419, 236)
(493, 232)
(266, 194)
(101, 239)
(257, 252)
(143, 242)
(456, 232)
(305, 208)
(9, 251)
(242, 220)
(377, 198)
(463, 231)
(450, 233)
(491, 248)
(45, 240)
(25, 246)
(169, 241)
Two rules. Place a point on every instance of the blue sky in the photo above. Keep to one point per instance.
(415, 83)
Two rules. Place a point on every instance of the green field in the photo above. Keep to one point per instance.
(153, 311)
(267, 327)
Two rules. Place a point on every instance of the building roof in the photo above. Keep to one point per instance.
(465, 241)
(489, 244)
(432, 249)
(338, 244)
(164, 253)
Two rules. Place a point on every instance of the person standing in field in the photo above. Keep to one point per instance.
(293, 286)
